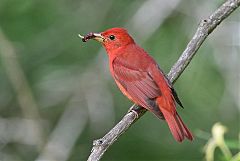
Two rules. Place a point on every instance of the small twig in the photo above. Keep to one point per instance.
(204, 29)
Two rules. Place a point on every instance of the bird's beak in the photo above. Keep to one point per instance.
(98, 37)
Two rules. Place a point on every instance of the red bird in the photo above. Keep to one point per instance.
(139, 77)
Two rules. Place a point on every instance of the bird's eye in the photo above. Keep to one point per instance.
(111, 37)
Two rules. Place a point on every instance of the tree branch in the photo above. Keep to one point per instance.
(204, 29)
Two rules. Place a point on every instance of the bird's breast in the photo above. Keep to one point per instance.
(124, 91)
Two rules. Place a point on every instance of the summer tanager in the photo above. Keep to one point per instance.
(139, 77)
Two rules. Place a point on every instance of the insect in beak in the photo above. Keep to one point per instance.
(95, 36)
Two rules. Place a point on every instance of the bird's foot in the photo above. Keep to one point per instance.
(133, 109)
(135, 114)
(137, 110)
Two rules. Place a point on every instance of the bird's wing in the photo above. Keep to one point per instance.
(138, 85)
(174, 93)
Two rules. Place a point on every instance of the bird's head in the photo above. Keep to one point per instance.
(111, 39)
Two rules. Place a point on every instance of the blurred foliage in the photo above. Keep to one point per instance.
(218, 141)
(76, 99)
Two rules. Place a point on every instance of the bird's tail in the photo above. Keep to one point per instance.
(174, 121)
(176, 125)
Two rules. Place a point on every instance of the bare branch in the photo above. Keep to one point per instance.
(204, 29)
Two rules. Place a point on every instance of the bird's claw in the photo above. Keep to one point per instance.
(134, 110)
(135, 113)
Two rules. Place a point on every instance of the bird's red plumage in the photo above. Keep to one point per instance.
(139, 77)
